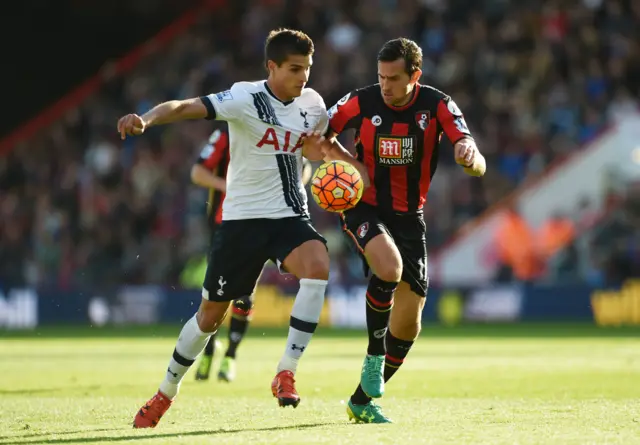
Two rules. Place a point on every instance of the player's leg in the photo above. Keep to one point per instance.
(383, 258)
(191, 342)
(302, 251)
(406, 316)
(404, 327)
(240, 316)
(204, 367)
(405, 323)
(235, 265)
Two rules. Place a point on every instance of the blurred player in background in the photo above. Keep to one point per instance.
(398, 124)
(264, 215)
(210, 171)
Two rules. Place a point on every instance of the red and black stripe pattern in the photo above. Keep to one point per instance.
(379, 304)
(215, 157)
(397, 351)
(398, 145)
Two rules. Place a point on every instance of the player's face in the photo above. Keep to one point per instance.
(395, 84)
(292, 76)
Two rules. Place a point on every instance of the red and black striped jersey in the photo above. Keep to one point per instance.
(399, 145)
(215, 157)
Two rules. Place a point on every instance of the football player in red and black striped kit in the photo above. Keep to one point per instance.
(398, 124)
(210, 171)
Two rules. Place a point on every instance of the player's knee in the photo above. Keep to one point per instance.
(390, 271)
(384, 258)
(406, 329)
(208, 322)
(317, 268)
(211, 315)
(406, 317)
(309, 260)
(387, 266)
(315, 264)
(242, 307)
(244, 303)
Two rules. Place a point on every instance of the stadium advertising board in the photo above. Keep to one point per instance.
(18, 309)
(617, 307)
(345, 306)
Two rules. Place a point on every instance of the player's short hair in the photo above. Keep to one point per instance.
(405, 49)
(282, 43)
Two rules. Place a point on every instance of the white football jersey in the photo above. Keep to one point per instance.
(264, 177)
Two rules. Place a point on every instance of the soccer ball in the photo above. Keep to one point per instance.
(336, 186)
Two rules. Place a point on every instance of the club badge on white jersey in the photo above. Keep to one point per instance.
(264, 177)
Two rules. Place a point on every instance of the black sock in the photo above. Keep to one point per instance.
(211, 346)
(397, 351)
(379, 304)
(237, 327)
(360, 397)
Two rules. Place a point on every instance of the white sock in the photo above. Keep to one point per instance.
(304, 320)
(190, 344)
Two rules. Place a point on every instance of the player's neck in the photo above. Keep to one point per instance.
(272, 88)
(406, 99)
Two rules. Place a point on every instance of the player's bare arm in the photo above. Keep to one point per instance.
(468, 155)
(202, 176)
(164, 113)
(312, 149)
(336, 152)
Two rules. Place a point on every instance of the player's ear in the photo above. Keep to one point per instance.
(271, 66)
(416, 76)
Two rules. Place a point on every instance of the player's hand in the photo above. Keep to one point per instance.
(465, 152)
(316, 146)
(130, 125)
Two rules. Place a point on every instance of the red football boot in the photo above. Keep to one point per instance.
(152, 411)
(284, 389)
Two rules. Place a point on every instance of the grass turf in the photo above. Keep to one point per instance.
(524, 384)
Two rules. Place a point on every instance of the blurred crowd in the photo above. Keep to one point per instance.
(607, 252)
(596, 247)
(536, 80)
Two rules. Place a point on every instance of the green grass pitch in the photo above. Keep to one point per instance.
(473, 385)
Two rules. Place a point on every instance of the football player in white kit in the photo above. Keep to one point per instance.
(264, 214)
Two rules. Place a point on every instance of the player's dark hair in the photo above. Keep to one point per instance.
(405, 49)
(282, 43)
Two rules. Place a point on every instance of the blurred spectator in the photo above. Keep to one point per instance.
(607, 248)
(585, 215)
(556, 233)
(518, 250)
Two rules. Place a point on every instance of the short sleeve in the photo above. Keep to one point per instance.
(323, 122)
(225, 105)
(345, 113)
(452, 121)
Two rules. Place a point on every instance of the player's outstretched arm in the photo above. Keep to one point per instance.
(203, 177)
(165, 113)
(468, 155)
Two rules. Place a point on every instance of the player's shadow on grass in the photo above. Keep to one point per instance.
(34, 391)
(57, 433)
(163, 436)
